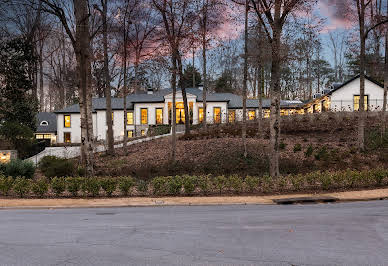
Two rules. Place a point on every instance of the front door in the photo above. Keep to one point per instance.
(180, 113)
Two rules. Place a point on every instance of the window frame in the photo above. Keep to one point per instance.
(156, 116)
(141, 116)
(359, 98)
(133, 121)
(234, 116)
(64, 137)
(200, 120)
(214, 115)
(64, 121)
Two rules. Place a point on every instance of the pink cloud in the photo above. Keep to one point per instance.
(340, 14)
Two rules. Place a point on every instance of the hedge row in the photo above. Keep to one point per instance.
(190, 185)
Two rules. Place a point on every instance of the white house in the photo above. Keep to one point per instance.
(346, 97)
(155, 109)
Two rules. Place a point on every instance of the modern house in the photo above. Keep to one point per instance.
(148, 109)
(46, 127)
(144, 110)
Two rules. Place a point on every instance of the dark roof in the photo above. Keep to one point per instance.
(50, 118)
(337, 86)
(234, 101)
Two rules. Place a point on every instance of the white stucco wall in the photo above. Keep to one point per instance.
(342, 99)
(151, 112)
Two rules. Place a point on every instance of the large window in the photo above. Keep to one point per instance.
(67, 137)
(144, 116)
(159, 116)
(217, 115)
(200, 115)
(232, 116)
(67, 121)
(356, 102)
(251, 115)
(130, 118)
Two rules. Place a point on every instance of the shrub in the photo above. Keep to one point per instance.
(52, 166)
(108, 184)
(18, 167)
(91, 186)
(282, 182)
(309, 151)
(125, 185)
(322, 154)
(379, 175)
(267, 183)
(235, 183)
(204, 184)
(251, 182)
(297, 147)
(142, 186)
(282, 145)
(73, 185)
(159, 185)
(326, 180)
(189, 184)
(58, 185)
(297, 181)
(6, 184)
(220, 182)
(21, 186)
(40, 187)
(174, 185)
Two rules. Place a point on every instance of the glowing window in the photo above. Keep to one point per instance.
(67, 137)
(129, 118)
(159, 116)
(356, 102)
(217, 115)
(143, 132)
(144, 116)
(232, 116)
(251, 115)
(39, 136)
(47, 136)
(130, 133)
(267, 113)
(200, 115)
(67, 121)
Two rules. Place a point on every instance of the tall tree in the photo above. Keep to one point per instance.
(273, 15)
(81, 45)
(244, 92)
(107, 90)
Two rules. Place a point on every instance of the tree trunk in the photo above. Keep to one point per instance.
(107, 92)
(193, 68)
(361, 121)
(41, 90)
(244, 92)
(184, 95)
(84, 82)
(384, 109)
(260, 83)
(173, 107)
(125, 91)
(204, 48)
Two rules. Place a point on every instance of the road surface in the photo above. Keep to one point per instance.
(323, 234)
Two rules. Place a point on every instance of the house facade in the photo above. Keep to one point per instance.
(145, 110)
(46, 127)
(346, 97)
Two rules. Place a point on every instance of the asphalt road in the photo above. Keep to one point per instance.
(324, 234)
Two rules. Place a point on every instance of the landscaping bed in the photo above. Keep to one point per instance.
(187, 185)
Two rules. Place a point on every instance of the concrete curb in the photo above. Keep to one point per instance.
(365, 195)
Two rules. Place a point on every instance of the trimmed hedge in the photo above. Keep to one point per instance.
(193, 185)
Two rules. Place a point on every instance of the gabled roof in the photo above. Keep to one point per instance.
(337, 86)
(50, 118)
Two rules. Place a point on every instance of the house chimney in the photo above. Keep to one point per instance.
(150, 91)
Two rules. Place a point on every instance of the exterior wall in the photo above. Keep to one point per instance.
(342, 99)
(210, 112)
(118, 125)
(151, 107)
(75, 128)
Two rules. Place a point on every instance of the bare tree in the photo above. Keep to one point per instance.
(272, 15)
(244, 92)
(107, 91)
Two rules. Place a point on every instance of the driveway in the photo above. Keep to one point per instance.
(323, 234)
